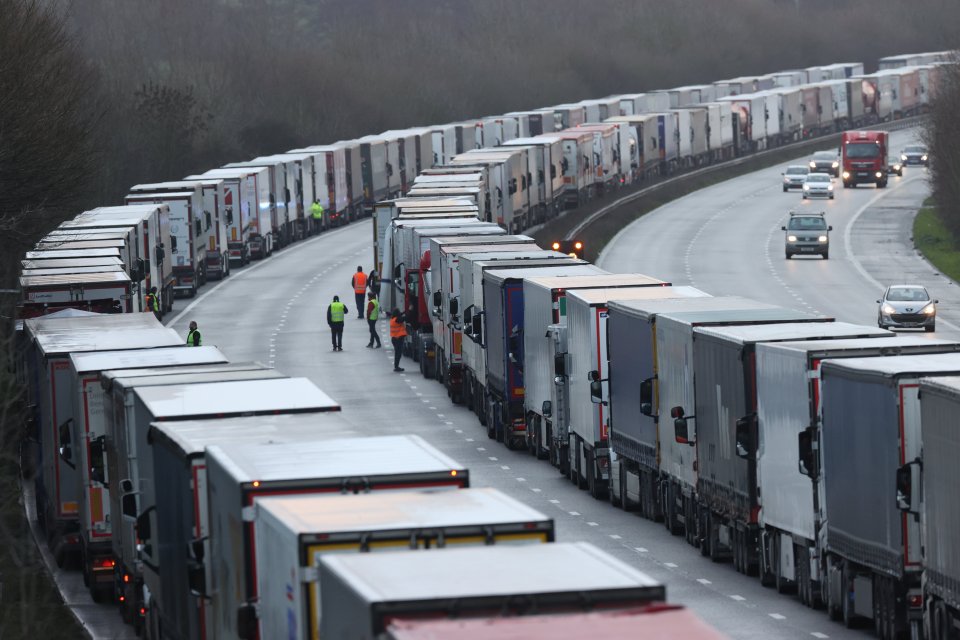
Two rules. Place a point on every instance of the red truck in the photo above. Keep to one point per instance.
(864, 157)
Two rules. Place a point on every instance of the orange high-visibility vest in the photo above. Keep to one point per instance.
(359, 282)
(397, 330)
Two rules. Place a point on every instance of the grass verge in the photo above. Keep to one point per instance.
(934, 241)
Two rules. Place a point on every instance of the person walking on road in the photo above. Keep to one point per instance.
(397, 333)
(373, 314)
(359, 284)
(193, 336)
(336, 312)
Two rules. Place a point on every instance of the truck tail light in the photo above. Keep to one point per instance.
(915, 600)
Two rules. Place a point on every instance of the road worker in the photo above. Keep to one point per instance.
(336, 312)
(193, 336)
(152, 302)
(397, 333)
(316, 213)
(359, 284)
(373, 314)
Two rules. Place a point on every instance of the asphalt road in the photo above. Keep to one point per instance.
(725, 240)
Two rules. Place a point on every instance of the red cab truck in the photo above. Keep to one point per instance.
(864, 158)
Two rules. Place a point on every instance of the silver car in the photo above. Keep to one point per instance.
(818, 185)
(907, 306)
(807, 233)
(794, 176)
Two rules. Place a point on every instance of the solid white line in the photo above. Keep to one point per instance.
(847, 242)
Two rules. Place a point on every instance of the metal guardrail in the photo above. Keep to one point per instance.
(577, 230)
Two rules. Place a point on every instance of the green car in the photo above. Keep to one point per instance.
(807, 233)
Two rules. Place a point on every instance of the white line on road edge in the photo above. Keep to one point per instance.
(251, 269)
(849, 250)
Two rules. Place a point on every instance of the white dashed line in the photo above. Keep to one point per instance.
(481, 448)
(521, 479)
(505, 467)
(615, 536)
(672, 565)
(554, 501)
(640, 549)
(738, 598)
(470, 440)
(817, 634)
(703, 581)
(574, 513)
(777, 616)
(535, 490)
(493, 458)
(593, 524)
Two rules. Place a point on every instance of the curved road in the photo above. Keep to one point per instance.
(725, 240)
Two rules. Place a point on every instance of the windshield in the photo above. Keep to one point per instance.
(824, 155)
(914, 150)
(907, 294)
(818, 177)
(807, 223)
(863, 150)
(797, 171)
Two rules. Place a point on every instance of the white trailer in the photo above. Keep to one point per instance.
(353, 158)
(293, 533)
(238, 473)
(510, 165)
(246, 210)
(380, 170)
(330, 186)
(547, 180)
(443, 144)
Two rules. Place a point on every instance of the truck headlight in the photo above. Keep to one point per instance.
(903, 158)
(835, 165)
(830, 187)
(846, 175)
(806, 187)
(923, 158)
(823, 238)
(813, 165)
(879, 175)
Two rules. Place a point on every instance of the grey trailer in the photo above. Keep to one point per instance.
(362, 593)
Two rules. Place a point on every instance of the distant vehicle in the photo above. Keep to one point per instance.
(895, 166)
(794, 176)
(914, 154)
(818, 185)
(864, 158)
(906, 306)
(825, 162)
(807, 234)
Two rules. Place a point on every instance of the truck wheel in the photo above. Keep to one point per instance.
(766, 575)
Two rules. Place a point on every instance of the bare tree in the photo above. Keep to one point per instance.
(942, 136)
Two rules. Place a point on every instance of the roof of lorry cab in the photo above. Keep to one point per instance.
(893, 366)
(753, 333)
(337, 458)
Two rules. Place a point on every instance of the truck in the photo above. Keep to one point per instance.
(788, 413)
(280, 172)
(445, 254)
(726, 408)
(247, 212)
(176, 599)
(50, 394)
(301, 189)
(578, 167)
(355, 177)
(471, 267)
(239, 473)
(863, 157)
(330, 187)
(545, 305)
(549, 182)
(86, 440)
(380, 172)
(187, 253)
(215, 227)
(293, 533)
(387, 211)
(871, 552)
(651, 621)
(128, 462)
(937, 508)
(102, 292)
(502, 327)
(360, 594)
(588, 429)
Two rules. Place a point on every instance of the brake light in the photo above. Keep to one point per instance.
(453, 473)
(915, 601)
(109, 563)
(123, 598)
(126, 577)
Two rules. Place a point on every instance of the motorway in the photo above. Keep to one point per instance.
(725, 240)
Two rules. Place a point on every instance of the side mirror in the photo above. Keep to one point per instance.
(807, 452)
(128, 505)
(478, 327)
(197, 579)
(247, 621)
(878, 301)
(229, 215)
(468, 318)
(596, 392)
(66, 448)
(646, 397)
(126, 486)
(173, 243)
(936, 302)
(746, 442)
(397, 271)
(454, 307)
(97, 467)
(681, 428)
(560, 365)
(547, 408)
(143, 526)
(830, 227)
(783, 228)
(908, 487)
(160, 253)
(437, 299)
